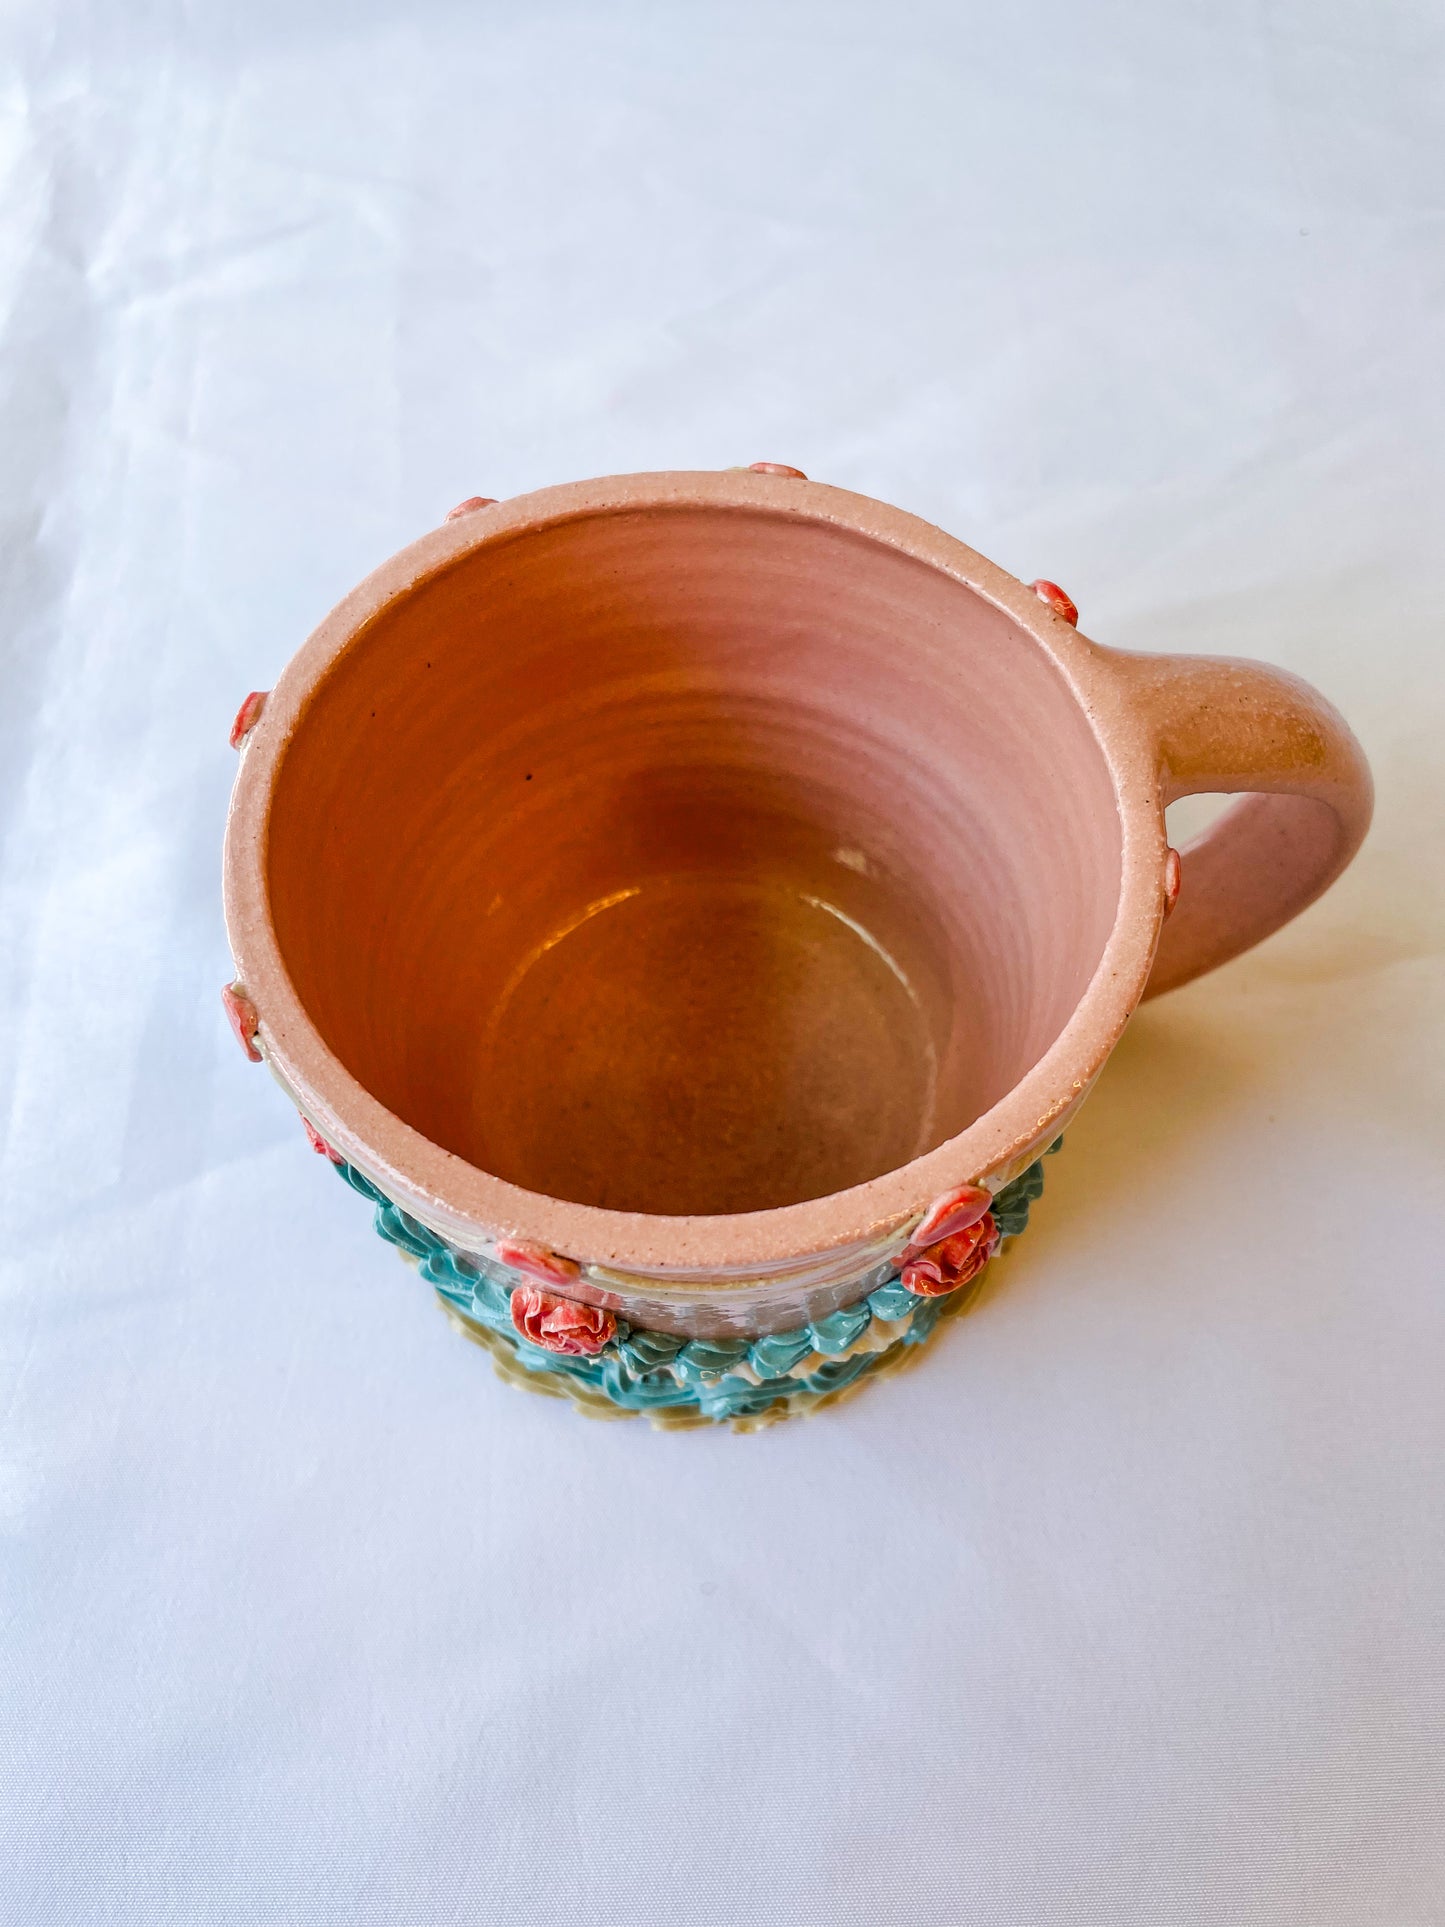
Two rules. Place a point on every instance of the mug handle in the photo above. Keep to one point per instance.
(1220, 724)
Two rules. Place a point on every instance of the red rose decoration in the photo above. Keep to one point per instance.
(547, 1267)
(1060, 603)
(560, 1324)
(952, 1262)
(247, 716)
(242, 1016)
(952, 1212)
(1173, 877)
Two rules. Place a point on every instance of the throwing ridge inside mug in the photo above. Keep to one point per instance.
(687, 906)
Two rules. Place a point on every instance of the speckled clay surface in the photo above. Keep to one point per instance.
(688, 881)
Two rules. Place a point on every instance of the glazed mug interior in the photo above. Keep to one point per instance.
(691, 860)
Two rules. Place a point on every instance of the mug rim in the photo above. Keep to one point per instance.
(473, 1208)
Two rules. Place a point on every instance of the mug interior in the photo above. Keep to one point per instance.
(691, 860)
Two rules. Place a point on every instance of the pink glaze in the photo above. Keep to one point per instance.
(1061, 604)
(537, 1262)
(1173, 877)
(560, 1324)
(242, 1016)
(954, 1211)
(953, 1261)
(776, 468)
(247, 716)
(471, 505)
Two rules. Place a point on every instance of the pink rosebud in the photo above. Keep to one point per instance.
(318, 1143)
(247, 716)
(952, 1212)
(537, 1261)
(560, 1324)
(243, 1018)
(777, 468)
(1061, 604)
(472, 503)
(953, 1262)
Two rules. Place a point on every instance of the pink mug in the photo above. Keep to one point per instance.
(688, 907)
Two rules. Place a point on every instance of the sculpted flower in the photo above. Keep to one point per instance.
(953, 1261)
(548, 1267)
(560, 1324)
(244, 1019)
(947, 1214)
(247, 717)
(1061, 604)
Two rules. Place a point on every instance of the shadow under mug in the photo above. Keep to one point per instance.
(687, 906)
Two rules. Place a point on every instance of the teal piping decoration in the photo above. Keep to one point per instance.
(655, 1372)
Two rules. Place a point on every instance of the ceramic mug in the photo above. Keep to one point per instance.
(688, 906)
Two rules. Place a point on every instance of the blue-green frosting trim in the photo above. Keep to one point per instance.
(648, 1371)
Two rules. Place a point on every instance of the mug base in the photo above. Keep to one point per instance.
(802, 1403)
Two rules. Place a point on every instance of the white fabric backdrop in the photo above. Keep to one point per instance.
(1125, 1607)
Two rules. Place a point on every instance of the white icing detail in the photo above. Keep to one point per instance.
(881, 1336)
(744, 1371)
